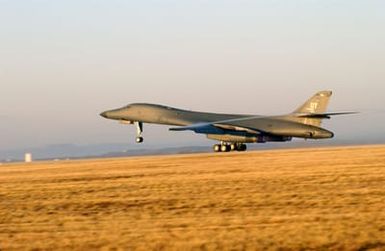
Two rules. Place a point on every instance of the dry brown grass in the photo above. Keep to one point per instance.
(317, 199)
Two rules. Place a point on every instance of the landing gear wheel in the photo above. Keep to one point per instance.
(225, 148)
(139, 139)
(217, 148)
(233, 147)
(242, 148)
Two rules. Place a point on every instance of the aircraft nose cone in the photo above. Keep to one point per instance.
(104, 114)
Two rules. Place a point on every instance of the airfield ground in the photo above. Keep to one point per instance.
(318, 199)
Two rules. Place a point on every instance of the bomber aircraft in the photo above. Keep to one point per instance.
(231, 130)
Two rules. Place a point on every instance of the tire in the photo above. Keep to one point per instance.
(217, 148)
(225, 148)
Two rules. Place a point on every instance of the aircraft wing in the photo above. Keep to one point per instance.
(220, 127)
(199, 128)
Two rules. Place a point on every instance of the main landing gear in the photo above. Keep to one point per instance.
(139, 132)
(224, 147)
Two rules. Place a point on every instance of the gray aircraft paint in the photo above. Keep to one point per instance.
(304, 122)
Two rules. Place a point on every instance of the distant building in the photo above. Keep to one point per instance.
(28, 158)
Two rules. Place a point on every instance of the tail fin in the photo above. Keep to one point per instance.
(316, 104)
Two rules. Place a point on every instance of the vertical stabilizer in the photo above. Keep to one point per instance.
(315, 105)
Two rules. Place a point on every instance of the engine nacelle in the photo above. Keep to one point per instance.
(247, 139)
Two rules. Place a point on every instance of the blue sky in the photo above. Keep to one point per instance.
(63, 62)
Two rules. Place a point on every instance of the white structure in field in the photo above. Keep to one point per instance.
(28, 158)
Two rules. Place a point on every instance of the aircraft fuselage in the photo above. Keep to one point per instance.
(234, 130)
(282, 126)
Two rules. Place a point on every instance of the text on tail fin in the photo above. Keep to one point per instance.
(316, 104)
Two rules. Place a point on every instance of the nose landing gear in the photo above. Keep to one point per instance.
(139, 132)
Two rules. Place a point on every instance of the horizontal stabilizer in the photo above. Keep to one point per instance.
(322, 115)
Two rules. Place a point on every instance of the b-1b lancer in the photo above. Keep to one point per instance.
(231, 130)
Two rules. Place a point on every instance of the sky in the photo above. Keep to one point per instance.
(64, 62)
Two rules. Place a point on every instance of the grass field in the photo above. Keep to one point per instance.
(317, 199)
